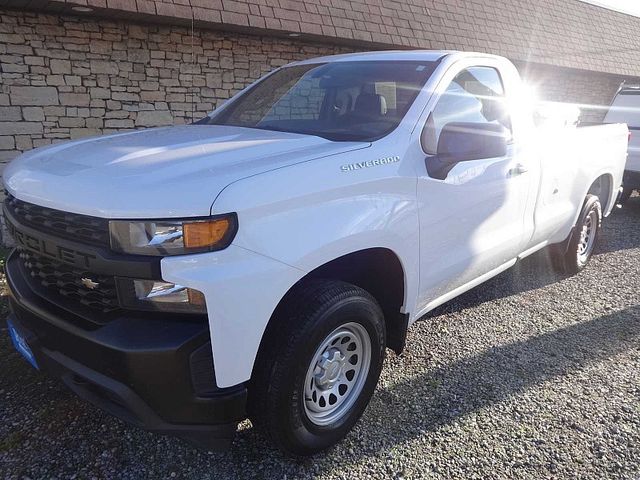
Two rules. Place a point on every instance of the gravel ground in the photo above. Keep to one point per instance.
(530, 375)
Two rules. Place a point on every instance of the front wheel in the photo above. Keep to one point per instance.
(318, 367)
(573, 255)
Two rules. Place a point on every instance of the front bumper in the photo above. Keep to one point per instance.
(154, 371)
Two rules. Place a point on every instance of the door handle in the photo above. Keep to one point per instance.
(519, 169)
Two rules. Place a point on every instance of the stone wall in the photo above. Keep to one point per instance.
(62, 77)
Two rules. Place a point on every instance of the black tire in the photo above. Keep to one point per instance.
(569, 257)
(302, 323)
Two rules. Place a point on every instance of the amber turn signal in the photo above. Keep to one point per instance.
(196, 298)
(205, 234)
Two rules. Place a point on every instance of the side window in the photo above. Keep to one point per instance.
(475, 95)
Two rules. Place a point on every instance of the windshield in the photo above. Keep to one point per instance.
(625, 109)
(341, 101)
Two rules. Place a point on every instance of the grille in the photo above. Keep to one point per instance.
(59, 279)
(72, 226)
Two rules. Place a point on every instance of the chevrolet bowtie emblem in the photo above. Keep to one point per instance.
(90, 284)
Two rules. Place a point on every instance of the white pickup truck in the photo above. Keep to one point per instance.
(258, 263)
(625, 108)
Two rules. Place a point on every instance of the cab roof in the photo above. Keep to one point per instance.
(389, 55)
(426, 55)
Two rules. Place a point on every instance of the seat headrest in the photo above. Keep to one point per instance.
(370, 104)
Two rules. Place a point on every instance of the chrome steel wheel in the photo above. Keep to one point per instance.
(337, 374)
(587, 237)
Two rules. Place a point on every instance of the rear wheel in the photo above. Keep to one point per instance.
(318, 366)
(573, 255)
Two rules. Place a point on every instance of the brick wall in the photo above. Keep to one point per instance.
(62, 77)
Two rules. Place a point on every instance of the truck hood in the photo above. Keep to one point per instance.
(156, 173)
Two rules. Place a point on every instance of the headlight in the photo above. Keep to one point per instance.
(173, 237)
(159, 296)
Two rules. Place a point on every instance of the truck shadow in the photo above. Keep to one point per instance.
(531, 273)
(445, 394)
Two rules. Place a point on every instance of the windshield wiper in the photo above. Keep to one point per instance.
(332, 136)
(343, 137)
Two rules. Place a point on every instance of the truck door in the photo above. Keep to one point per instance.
(471, 219)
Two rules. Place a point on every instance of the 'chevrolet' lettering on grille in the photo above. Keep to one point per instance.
(48, 248)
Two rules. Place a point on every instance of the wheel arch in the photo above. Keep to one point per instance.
(377, 270)
(603, 188)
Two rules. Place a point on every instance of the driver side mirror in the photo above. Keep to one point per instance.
(463, 141)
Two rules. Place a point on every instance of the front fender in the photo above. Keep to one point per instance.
(241, 289)
(309, 214)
